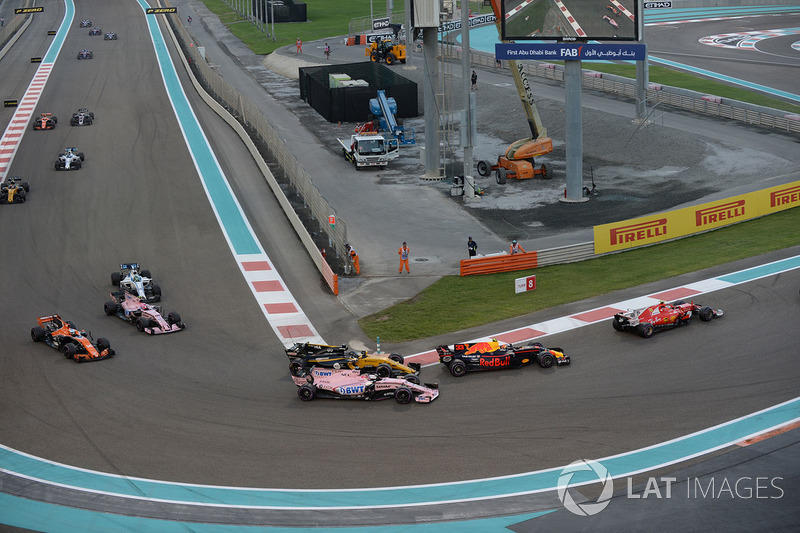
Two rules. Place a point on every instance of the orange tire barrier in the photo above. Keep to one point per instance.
(499, 263)
(330, 278)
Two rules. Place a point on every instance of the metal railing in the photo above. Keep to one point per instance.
(662, 95)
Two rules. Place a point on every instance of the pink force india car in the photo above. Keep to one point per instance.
(345, 383)
(147, 318)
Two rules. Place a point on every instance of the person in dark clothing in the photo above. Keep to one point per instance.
(472, 247)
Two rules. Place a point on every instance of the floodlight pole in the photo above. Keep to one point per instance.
(272, 17)
(469, 180)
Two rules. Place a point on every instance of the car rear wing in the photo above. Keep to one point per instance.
(128, 266)
(443, 350)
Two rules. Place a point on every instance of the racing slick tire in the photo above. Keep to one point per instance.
(37, 334)
(403, 395)
(80, 154)
(103, 344)
(617, 326)
(397, 358)
(70, 350)
(412, 378)
(19, 198)
(59, 166)
(545, 360)
(73, 122)
(646, 330)
(156, 293)
(174, 318)
(705, 314)
(307, 392)
(484, 168)
(140, 324)
(458, 368)
(296, 367)
(502, 176)
(110, 308)
(116, 278)
(383, 370)
(146, 273)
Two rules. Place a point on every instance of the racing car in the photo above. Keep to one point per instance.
(70, 159)
(147, 318)
(345, 383)
(13, 190)
(494, 355)
(614, 11)
(661, 316)
(75, 344)
(85, 54)
(95, 31)
(138, 282)
(85, 23)
(110, 36)
(83, 117)
(303, 356)
(45, 121)
(611, 21)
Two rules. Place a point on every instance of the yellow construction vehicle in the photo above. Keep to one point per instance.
(386, 50)
(518, 161)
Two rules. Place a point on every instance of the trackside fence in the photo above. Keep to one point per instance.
(659, 95)
(315, 233)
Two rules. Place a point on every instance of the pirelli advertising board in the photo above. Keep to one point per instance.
(688, 220)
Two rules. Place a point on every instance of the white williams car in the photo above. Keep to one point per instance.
(71, 159)
(138, 282)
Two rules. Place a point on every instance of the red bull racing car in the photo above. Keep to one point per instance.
(661, 316)
(75, 344)
(493, 355)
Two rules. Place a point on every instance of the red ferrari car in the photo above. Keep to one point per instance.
(647, 321)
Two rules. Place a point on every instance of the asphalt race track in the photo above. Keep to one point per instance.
(214, 404)
(769, 62)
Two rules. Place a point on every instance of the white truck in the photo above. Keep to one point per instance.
(369, 150)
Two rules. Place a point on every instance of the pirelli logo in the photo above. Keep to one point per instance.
(719, 213)
(785, 197)
(638, 232)
(26, 10)
(160, 10)
(10, 103)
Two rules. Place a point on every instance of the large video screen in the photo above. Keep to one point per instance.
(570, 20)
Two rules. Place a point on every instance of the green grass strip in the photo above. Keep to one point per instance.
(455, 303)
